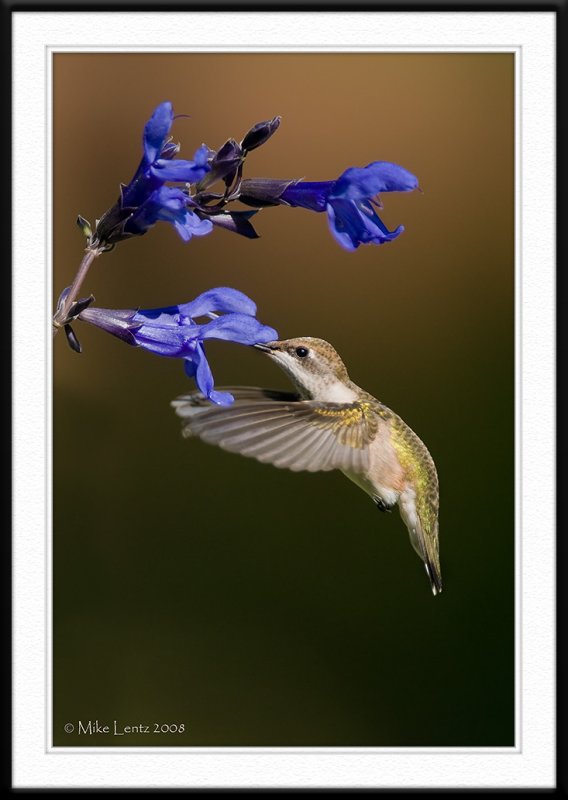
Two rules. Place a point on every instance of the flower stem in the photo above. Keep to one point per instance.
(60, 316)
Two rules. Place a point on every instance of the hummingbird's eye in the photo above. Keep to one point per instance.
(302, 352)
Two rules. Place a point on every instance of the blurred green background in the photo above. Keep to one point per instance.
(255, 605)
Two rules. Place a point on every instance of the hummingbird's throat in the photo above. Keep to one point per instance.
(323, 389)
(335, 392)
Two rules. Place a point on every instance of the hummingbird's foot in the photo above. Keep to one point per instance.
(382, 506)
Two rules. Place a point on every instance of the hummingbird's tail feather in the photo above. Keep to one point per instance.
(422, 523)
(435, 577)
(428, 551)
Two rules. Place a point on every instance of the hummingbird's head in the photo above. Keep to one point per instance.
(314, 367)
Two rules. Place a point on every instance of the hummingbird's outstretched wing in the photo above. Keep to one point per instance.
(281, 429)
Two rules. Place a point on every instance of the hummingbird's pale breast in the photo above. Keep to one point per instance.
(385, 478)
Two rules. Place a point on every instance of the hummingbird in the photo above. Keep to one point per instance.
(328, 423)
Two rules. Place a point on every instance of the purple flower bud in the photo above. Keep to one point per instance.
(260, 133)
(234, 221)
(223, 165)
(261, 192)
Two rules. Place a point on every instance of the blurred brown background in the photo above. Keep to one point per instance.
(255, 605)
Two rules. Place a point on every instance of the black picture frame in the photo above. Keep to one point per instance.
(559, 8)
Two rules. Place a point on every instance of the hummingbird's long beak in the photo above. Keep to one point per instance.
(267, 348)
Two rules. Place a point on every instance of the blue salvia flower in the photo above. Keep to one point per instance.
(146, 199)
(350, 201)
(173, 331)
